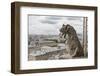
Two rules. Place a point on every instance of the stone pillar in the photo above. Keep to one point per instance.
(85, 42)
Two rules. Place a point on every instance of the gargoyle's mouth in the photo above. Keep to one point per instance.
(62, 35)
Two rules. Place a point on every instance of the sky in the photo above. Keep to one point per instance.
(50, 25)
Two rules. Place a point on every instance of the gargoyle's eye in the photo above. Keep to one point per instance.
(67, 26)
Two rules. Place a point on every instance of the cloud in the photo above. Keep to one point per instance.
(50, 19)
(75, 18)
(54, 18)
(48, 22)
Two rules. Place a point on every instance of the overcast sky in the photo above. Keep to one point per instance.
(50, 25)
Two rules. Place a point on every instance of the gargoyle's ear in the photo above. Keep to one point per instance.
(63, 25)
